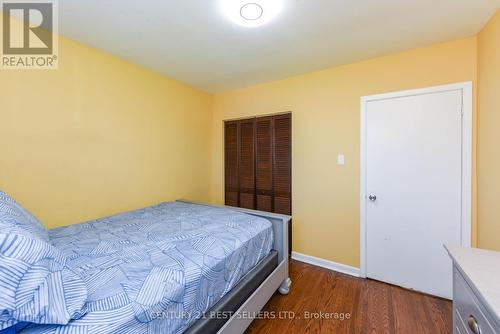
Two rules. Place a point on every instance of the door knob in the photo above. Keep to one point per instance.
(372, 198)
(473, 325)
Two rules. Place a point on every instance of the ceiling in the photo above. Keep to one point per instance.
(191, 41)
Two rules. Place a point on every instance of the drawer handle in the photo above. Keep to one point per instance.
(473, 325)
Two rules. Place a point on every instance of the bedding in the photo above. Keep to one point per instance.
(158, 269)
(36, 284)
(16, 219)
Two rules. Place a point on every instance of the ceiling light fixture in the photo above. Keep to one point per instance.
(251, 13)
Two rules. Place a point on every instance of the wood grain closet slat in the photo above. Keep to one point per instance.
(247, 164)
(231, 177)
(282, 164)
(264, 163)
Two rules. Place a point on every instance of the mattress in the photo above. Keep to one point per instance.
(158, 269)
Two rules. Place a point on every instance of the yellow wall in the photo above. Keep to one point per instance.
(100, 136)
(325, 109)
(488, 150)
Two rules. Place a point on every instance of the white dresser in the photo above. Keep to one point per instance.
(476, 290)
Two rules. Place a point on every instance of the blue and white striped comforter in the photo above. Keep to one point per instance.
(156, 270)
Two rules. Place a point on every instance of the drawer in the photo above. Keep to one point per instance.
(466, 307)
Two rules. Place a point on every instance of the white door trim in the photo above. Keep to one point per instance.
(466, 221)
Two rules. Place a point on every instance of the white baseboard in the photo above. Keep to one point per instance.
(316, 261)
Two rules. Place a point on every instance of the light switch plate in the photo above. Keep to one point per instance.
(341, 160)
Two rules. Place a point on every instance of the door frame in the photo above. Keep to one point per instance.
(466, 214)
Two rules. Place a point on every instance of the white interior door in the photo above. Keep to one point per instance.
(413, 188)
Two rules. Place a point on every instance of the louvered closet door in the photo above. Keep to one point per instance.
(258, 163)
(247, 164)
(264, 163)
(282, 164)
(231, 149)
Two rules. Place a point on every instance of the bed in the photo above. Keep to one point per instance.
(177, 267)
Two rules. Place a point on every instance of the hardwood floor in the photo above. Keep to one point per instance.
(373, 307)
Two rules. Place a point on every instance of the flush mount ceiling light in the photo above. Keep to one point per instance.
(251, 13)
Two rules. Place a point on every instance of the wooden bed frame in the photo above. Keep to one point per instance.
(279, 279)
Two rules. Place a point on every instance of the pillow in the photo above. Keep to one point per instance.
(36, 284)
(16, 219)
